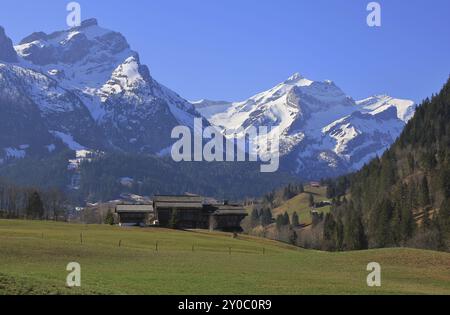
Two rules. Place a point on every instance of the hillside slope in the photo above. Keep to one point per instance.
(35, 254)
(402, 198)
(300, 204)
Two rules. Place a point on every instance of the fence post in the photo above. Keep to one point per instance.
(120, 243)
(81, 238)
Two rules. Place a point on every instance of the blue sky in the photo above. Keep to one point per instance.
(232, 49)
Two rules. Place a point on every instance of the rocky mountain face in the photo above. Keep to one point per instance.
(322, 131)
(7, 52)
(83, 88)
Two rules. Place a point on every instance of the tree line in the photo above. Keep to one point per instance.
(18, 202)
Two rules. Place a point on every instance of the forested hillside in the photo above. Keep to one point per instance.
(101, 176)
(155, 175)
(402, 198)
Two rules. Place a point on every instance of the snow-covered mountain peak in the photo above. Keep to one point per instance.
(298, 80)
(87, 85)
(315, 95)
(128, 76)
(86, 43)
(322, 130)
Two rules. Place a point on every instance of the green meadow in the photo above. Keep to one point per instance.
(34, 256)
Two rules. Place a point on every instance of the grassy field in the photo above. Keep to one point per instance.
(34, 255)
(300, 204)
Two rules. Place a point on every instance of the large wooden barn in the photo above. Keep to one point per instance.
(184, 212)
(134, 215)
(226, 217)
(180, 211)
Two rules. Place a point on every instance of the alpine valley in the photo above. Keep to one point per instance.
(76, 101)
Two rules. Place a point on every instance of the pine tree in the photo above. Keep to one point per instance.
(329, 233)
(445, 180)
(254, 217)
(408, 224)
(394, 224)
(424, 193)
(360, 232)
(444, 215)
(286, 219)
(331, 190)
(339, 234)
(279, 221)
(35, 207)
(301, 189)
(311, 200)
(173, 223)
(266, 217)
(381, 229)
(295, 219)
(293, 237)
(426, 222)
(109, 219)
(354, 235)
(333, 233)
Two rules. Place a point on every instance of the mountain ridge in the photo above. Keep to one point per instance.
(317, 123)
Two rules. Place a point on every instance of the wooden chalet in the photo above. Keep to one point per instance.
(184, 211)
(226, 217)
(134, 215)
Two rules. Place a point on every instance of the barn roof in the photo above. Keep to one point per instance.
(230, 210)
(184, 198)
(178, 201)
(134, 208)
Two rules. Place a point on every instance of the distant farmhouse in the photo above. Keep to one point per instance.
(184, 212)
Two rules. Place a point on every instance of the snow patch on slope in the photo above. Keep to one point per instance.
(68, 140)
(15, 153)
(380, 103)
